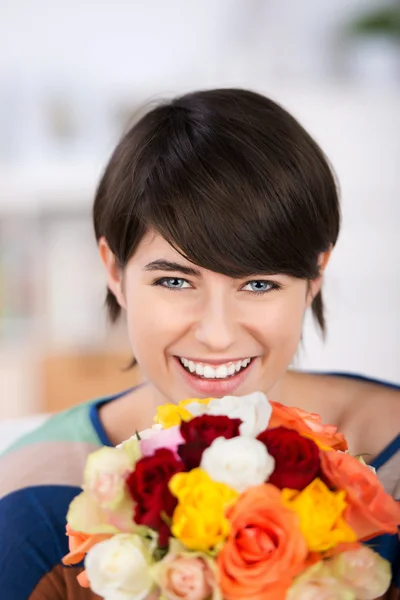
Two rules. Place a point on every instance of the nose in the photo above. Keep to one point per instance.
(216, 327)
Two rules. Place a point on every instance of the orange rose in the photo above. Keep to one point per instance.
(79, 545)
(370, 511)
(265, 548)
(309, 424)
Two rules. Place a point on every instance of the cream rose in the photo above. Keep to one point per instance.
(364, 571)
(239, 462)
(254, 410)
(105, 475)
(317, 583)
(120, 568)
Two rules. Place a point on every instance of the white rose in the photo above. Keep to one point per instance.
(239, 462)
(254, 410)
(119, 568)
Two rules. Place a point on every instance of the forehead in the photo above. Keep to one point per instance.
(153, 246)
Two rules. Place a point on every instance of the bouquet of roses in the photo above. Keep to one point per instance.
(231, 498)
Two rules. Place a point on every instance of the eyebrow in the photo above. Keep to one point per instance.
(166, 265)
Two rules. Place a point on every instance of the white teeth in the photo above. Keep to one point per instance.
(217, 372)
(222, 372)
(231, 369)
(199, 370)
(209, 372)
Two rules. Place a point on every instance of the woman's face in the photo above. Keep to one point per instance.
(196, 333)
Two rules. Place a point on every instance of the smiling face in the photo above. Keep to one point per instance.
(197, 333)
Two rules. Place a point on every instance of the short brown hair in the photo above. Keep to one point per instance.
(229, 179)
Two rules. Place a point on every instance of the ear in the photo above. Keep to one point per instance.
(113, 271)
(314, 286)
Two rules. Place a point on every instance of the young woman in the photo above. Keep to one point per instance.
(215, 219)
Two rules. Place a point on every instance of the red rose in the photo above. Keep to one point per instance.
(200, 432)
(148, 486)
(207, 428)
(297, 458)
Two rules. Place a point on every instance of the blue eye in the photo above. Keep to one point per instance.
(173, 283)
(258, 286)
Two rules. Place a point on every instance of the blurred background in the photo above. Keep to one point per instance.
(72, 74)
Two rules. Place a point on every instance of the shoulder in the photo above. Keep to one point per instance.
(367, 411)
(53, 454)
(39, 476)
(74, 424)
(373, 417)
(32, 538)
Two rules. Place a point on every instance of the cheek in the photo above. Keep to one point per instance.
(281, 321)
(152, 321)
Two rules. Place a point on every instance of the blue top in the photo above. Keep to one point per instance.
(40, 475)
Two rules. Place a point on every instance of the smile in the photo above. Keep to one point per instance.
(222, 371)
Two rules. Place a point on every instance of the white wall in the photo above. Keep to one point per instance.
(137, 43)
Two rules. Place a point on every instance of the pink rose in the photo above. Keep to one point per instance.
(161, 438)
(185, 577)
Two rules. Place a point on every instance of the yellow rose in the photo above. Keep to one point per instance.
(169, 415)
(189, 401)
(199, 520)
(320, 512)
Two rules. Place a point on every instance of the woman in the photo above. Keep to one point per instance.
(215, 220)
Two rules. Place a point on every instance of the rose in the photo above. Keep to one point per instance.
(148, 486)
(181, 575)
(317, 583)
(254, 411)
(200, 432)
(105, 474)
(239, 462)
(363, 571)
(206, 428)
(370, 511)
(307, 423)
(297, 460)
(199, 520)
(321, 515)
(105, 505)
(186, 578)
(120, 568)
(169, 415)
(85, 514)
(265, 548)
(165, 438)
(79, 544)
